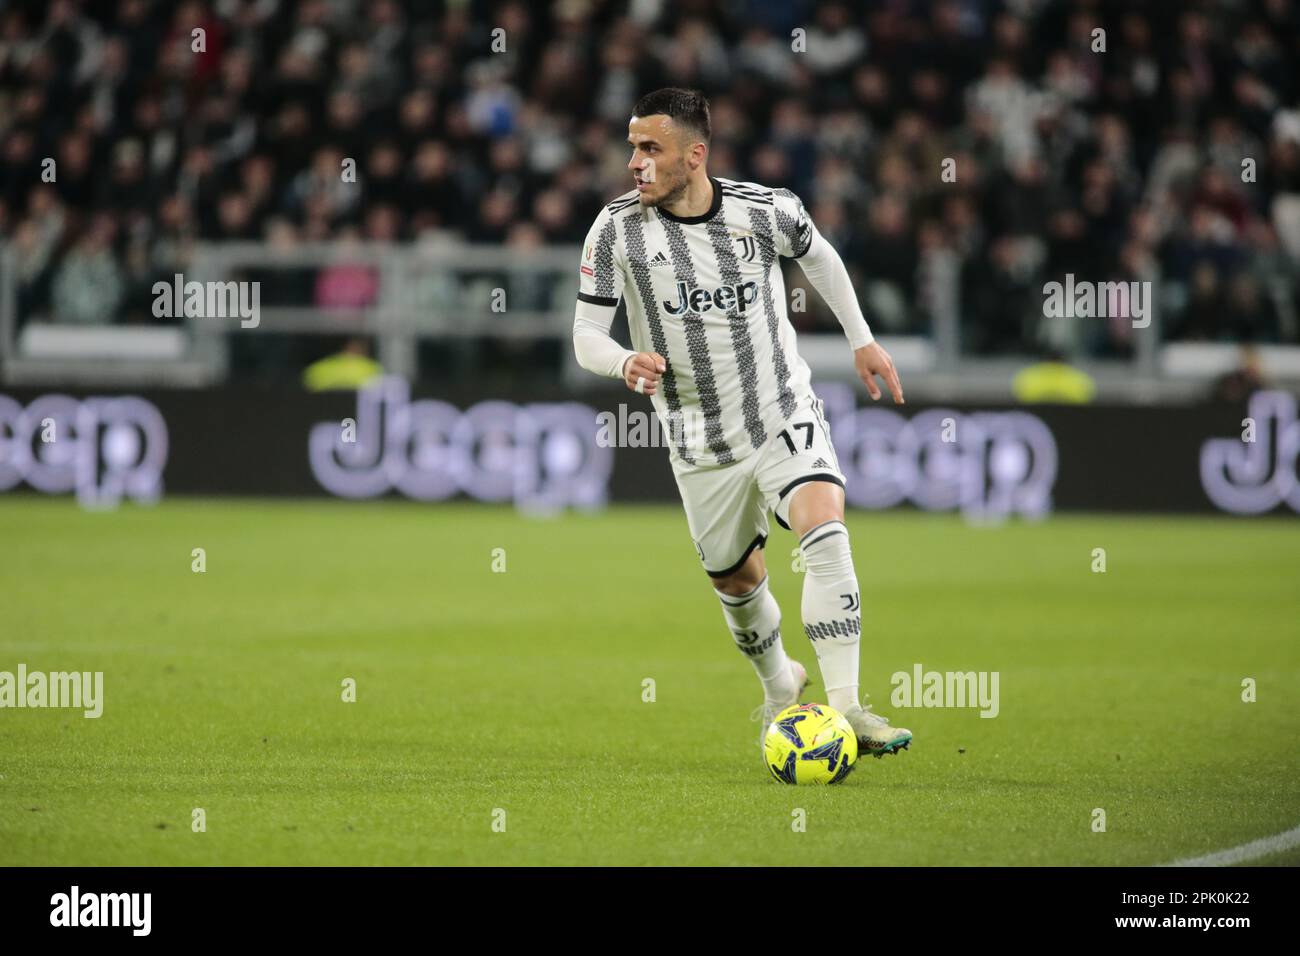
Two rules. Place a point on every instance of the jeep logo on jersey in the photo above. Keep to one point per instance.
(726, 297)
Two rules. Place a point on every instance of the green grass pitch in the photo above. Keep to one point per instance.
(522, 691)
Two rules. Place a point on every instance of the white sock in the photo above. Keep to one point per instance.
(755, 623)
(832, 610)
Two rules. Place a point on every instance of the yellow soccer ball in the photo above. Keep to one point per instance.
(810, 743)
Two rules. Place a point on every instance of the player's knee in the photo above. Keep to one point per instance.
(816, 502)
(744, 579)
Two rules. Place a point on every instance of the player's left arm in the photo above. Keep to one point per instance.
(825, 270)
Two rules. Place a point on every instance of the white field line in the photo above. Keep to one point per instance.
(1247, 851)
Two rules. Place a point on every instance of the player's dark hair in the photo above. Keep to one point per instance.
(689, 109)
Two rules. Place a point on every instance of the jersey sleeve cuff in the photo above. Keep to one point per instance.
(860, 338)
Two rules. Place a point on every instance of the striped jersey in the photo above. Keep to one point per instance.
(706, 292)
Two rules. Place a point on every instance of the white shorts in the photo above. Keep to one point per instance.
(727, 505)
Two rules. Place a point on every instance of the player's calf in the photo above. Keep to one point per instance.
(754, 619)
(832, 612)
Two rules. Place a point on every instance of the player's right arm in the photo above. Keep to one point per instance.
(601, 278)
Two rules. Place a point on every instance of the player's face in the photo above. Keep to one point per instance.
(658, 160)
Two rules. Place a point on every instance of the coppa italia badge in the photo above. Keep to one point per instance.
(586, 269)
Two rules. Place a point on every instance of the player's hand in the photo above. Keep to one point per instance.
(641, 372)
(871, 360)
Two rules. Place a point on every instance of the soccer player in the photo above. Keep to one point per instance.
(695, 258)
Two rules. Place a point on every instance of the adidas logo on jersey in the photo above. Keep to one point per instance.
(727, 297)
(659, 260)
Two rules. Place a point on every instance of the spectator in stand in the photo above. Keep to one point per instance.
(1237, 386)
(1066, 160)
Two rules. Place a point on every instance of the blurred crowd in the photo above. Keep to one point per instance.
(1166, 148)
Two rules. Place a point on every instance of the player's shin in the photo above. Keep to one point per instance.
(832, 615)
(755, 623)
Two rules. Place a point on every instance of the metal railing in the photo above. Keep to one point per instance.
(451, 290)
